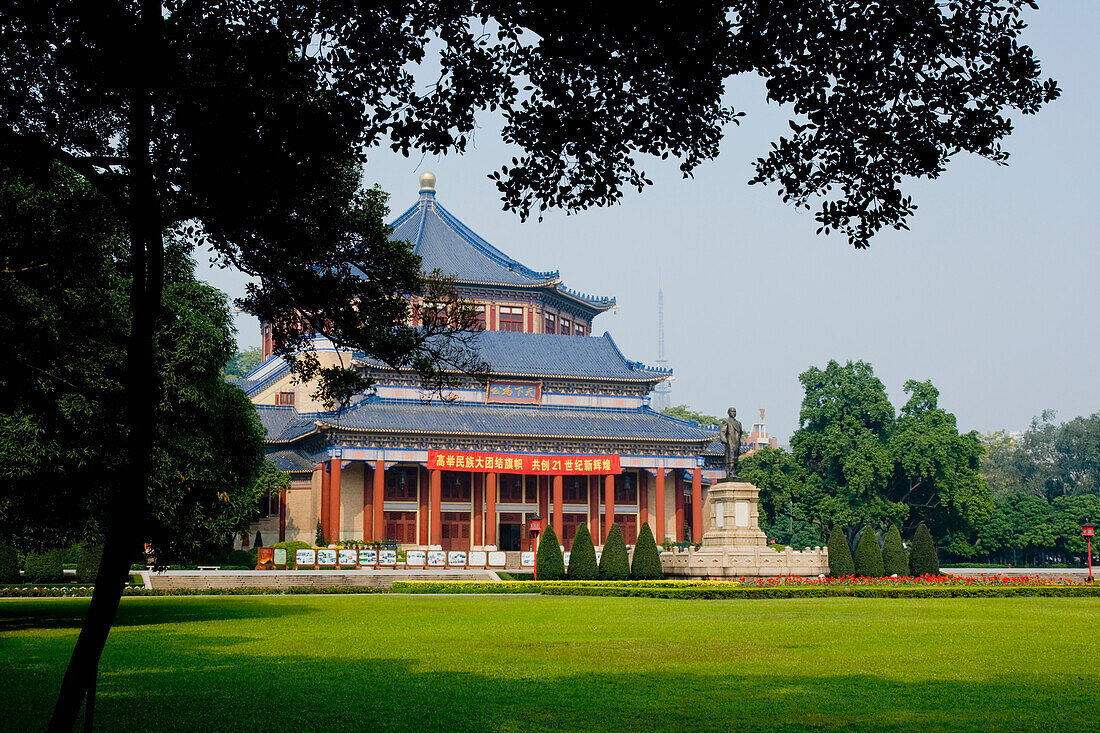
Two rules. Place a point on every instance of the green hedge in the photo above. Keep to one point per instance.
(468, 586)
(43, 567)
(61, 591)
(828, 591)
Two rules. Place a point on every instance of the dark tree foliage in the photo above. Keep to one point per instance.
(840, 555)
(868, 555)
(923, 558)
(582, 557)
(646, 563)
(895, 560)
(614, 562)
(244, 125)
(319, 536)
(87, 562)
(9, 564)
(549, 563)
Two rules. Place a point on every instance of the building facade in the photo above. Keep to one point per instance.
(560, 427)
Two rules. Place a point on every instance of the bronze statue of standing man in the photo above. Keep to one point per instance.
(730, 435)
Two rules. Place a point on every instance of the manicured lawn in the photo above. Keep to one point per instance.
(518, 663)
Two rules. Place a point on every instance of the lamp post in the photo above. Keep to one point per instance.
(1087, 531)
(534, 526)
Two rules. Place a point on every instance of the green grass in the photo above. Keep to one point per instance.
(514, 663)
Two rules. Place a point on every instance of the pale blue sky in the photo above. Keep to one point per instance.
(991, 294)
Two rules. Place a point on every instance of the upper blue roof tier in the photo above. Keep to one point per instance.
(444, 242)
(508, 421)
(511, 354)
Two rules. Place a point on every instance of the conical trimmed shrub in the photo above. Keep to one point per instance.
(87, 562)
(259, 540)
(923, 559)
(868, 555)
(614, 563)
(840, 555)
(319, 537)
(582, 558)
(646, 564)
(895, 560)
(549, 564)
(9, 564)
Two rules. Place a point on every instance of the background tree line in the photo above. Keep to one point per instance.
(855, 462)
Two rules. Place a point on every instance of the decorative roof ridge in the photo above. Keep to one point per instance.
(474, 239)
(596, 301)
(635, 365)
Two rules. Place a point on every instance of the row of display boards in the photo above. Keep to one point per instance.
(353, 559)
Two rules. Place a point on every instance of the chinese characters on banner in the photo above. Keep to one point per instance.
(448, 460)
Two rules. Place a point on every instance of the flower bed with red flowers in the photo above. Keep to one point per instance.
(921, 580)
(925, 586)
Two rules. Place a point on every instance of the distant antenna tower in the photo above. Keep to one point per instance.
(662, 393)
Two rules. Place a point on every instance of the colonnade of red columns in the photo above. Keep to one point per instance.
(431, 513)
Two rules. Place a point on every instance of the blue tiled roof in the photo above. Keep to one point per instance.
(275, 419)
(550, 355)
(444, 242)
(401, 416)
(291, 461)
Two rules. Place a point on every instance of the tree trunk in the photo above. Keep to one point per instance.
(123, 540)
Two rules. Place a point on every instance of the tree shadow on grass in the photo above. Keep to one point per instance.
(35, 614)
(388, 694)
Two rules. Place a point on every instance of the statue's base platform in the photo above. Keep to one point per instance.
(733, 543)
(749, 562)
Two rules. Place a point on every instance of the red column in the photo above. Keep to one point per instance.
(697, 505)
(425, 513)
(608, 504)
(368, 503)
(437, 517)
(594, 508)
(379, 499)
(478, 479)
(282, 515)
(544, 497)
(678, 494)
(659, 513)
(490, 508)
(558, 507)
(334, 504)
(326, 485)
(643, 498)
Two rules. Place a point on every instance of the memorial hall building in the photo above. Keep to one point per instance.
(560, 428)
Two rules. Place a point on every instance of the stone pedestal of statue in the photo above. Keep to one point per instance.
(734, 545)
(731, 516)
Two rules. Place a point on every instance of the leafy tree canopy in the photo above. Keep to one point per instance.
(683, 412)
(243, 362)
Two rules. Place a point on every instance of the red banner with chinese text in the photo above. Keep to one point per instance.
(451, 460)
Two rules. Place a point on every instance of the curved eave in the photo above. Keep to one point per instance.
(652, 379)
(526, 436)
